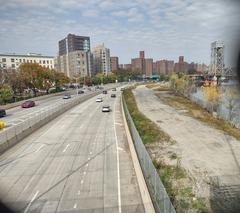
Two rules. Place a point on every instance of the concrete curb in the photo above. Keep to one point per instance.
(146, 198)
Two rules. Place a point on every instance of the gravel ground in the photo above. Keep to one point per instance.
(205, 152)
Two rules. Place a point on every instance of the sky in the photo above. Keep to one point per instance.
(164, 29)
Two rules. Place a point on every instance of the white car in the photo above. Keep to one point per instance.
(106, 109)
(99, 100)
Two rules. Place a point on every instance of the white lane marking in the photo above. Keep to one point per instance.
(40, 147)
(87, 165)
(89, 158)
(118, 170)
(82, 181)
(75, 206)
(118, 124)
(119, 148)
(78, 192)
(33, 198)
(90, 153)
(84, 173)
(66, 148)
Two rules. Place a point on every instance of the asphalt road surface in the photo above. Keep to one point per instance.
(79, 162)
(17, 114)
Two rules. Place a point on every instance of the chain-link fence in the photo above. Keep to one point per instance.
(160, 198)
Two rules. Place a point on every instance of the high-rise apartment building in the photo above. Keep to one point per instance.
(114, 63)
(101, 59)
(148, 67)
(164, 66)
(141, 54)
(181, 65)
(142, 64)
(75, 58)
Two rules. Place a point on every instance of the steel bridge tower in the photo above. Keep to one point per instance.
(217, 58)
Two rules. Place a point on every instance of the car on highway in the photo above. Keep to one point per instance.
(104, 92)
(99, 100)
(114, 89)
(66, 96)
(113, 95)
(28, 104)
(106, 108)
(122, 89)
(80, 92)
(2, 113)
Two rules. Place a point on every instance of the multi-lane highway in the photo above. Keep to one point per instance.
(79, 162)
(17, 114)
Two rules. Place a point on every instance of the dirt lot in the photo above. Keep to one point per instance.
(206, 153)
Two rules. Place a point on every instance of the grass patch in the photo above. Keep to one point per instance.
(162, 88)
(148, 130)
(176, 182)
(201, 114)
(152, 85)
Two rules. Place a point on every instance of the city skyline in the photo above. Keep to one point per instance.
(163, 29)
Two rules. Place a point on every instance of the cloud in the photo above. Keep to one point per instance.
(161, 27)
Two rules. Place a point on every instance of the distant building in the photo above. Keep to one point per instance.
(141, 54)
(127, 66)
(164, 67)
(101, 59)
(13, 61)
(154, 68)
(142, 64)
(217, 58)
(181, 66)
(74, 56)
(114, 63)
(148, 67)
(121, 66)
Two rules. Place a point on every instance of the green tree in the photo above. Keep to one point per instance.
(6, 94)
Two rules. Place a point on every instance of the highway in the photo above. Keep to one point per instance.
(78, 162)
(17, 114)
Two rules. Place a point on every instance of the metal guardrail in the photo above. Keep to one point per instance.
(159, 196)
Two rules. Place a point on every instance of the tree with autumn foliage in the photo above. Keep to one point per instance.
(212, 96)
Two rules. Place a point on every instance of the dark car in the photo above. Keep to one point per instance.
(2, 113)
(104, 92)
(113, 95)
(80, 92)
(28, 104)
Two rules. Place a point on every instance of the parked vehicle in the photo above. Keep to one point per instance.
(28, 104)
(66, 96)
(113, 95)
(122, 89)
(114, 89)
(106, 108)
(2, 113)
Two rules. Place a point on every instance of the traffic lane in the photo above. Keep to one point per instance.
(54, 159)
(77, 165)
(17, 114)
(46, 166)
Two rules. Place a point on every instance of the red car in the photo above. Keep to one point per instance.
(28, 104)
